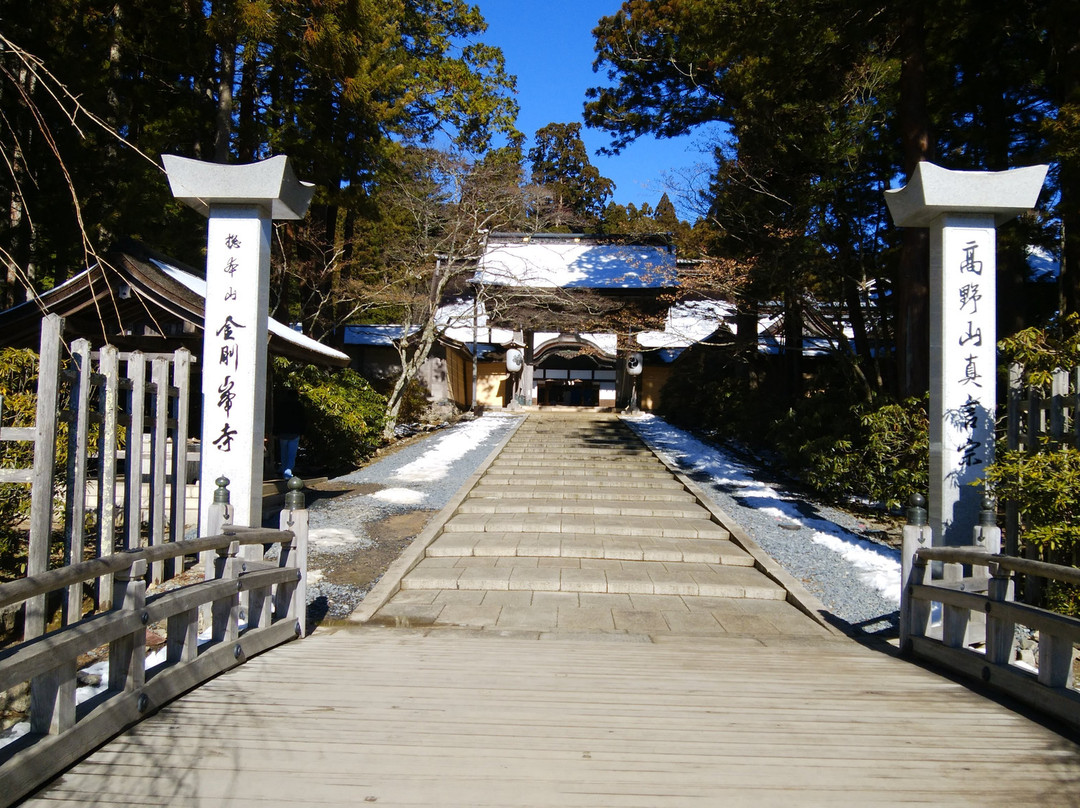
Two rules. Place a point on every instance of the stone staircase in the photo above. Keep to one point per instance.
(577, 526)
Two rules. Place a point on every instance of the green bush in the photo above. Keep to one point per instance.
(1046, 484)
(878, 452)
(832, 439)
(344, 413)
(18, 386)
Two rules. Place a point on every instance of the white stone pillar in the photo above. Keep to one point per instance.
(240, 201)
(962, 210)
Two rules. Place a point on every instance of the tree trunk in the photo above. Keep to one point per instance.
(913, 274)
(793, 346)
(226, 73)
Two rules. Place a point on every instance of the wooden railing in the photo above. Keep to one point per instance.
(966, 619)
(249, 606)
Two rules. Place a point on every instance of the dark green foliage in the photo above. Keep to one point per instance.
(344, 413)
(1046, 485)
(18, 385)
(414, 402)
(842, 447)
(875, 452)
(1041, 351)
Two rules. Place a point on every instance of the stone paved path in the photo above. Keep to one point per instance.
(577, 527)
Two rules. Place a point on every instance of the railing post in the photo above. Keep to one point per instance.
(291, 599)
(954, 619)
(220, 514)
(914, 614)
(1000, 633)
(41, 500)
(127, 655)
(226, 611)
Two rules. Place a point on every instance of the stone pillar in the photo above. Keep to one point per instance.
(240, 202)
(962, 210)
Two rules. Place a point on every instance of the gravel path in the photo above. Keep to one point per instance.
(420, 477)
(804, 536)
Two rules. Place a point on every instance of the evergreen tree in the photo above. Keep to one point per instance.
(571, 188)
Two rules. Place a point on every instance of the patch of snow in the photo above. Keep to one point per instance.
(877, 566)
(435, 462)
(329, 539)
(400, 496)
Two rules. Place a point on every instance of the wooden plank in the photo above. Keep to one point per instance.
(109, 403)
(158, 448)
(78, 450)
(136, 375)
(41, 502)
(1061, 703)
(18, 433)
(16, 475)
(181, 379)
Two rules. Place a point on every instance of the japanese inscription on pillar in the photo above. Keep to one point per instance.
(969, 361)
(235, 345)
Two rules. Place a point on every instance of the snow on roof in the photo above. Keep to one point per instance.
(1043, 266)
(689, 322)
(576, 263)
(278, 329)
(381, 336)
(460, 313)
(495, 336)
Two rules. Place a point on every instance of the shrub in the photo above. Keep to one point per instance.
(876, 452)
(344, 413)
(835, 441)
(18, 386)
(414, 402)
(1046, 485)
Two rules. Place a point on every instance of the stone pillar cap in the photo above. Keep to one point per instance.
(934, 191)
(270, 184)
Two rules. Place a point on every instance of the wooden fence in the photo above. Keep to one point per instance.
(248, 606)
(128, 427)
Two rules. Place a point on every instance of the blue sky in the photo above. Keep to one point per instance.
(548, 45)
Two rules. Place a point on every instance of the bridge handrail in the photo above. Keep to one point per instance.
(26, 588)
(251, 605)
(976, 557)
(961, 642)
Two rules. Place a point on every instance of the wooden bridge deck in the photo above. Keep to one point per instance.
(611, 659)
(410, 718)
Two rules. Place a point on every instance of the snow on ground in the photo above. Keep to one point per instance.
(434, 464)
(335, 539)
(400, 496)
(877, 566)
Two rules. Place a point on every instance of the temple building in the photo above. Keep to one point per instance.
(556, 319)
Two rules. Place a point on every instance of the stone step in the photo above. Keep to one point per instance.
(559, 453)
(602, 576)
(645, 526)
(589, 546)
(613, 471)
(563, 462)
(510, 503)
(576, 491)
(578, 482)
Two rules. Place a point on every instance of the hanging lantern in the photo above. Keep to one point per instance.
(515, 360)
(634, 364)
